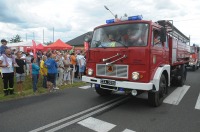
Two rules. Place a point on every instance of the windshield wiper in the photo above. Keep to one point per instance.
(98, 43)
(122, 44)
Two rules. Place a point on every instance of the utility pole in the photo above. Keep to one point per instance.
(53, 34)
(43, 36)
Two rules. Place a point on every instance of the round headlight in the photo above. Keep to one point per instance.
(135, 75)
(90, 72)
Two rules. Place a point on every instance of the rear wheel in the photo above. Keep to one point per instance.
(156, 98)
(197, 66)
(194, 68)
(182, 73)
(103, 92)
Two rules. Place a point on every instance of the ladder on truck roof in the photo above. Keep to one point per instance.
(173, 31)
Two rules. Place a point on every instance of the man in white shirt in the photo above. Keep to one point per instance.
(81, 62)
(6, 63)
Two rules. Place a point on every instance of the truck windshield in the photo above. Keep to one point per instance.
(192, 49)
(126, 35)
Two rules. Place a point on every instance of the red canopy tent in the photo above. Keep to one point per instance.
(59, 44)
(40, 47)
(37, 47)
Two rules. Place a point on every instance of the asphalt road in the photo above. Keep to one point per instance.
(82, 110)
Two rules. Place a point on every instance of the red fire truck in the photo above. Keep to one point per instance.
(135, 56)
(194, 57)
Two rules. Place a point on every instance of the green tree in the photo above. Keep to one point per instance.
(15, 39)
(48, 43)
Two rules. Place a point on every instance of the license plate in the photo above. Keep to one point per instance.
(108, 82)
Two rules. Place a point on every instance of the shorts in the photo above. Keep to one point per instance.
(20, 77)
(73, 67)
(51, 77)
(81, 69)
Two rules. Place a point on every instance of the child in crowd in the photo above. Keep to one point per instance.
(43, 71)
(2, 52)
(34, 74)
(20, 72)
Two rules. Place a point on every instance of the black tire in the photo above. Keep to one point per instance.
(194, 68)
(156, 98)
(103, 92)
(197, 66)
(183, 74)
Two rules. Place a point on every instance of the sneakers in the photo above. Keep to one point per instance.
(55, 88)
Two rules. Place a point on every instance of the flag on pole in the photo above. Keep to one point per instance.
(34, 48)
(86, 46)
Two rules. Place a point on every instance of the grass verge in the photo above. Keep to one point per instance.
(28, 91)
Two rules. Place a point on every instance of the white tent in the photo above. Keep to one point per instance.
(23, 44)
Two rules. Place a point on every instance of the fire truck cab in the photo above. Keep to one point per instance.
(135, 56)
(194, 57)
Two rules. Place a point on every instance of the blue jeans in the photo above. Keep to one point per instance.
(54, 82)
(44, 83)
(35, 81)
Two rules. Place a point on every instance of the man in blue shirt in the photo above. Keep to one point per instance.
(52, 71)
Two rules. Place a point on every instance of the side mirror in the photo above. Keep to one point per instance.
(87, 38)
(163, 35)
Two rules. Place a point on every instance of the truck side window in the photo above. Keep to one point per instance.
(156, 38)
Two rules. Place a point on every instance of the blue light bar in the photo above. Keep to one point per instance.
(138, 17)
(110, 21)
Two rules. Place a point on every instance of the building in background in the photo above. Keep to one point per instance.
(78, 42)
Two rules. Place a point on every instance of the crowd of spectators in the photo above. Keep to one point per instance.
(55, 67)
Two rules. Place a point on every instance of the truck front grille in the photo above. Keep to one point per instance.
(118, 71)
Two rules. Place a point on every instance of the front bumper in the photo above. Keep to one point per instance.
(191, 64)
(121, 84)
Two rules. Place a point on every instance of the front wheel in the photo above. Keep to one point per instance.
(156, 98)
(194, 68)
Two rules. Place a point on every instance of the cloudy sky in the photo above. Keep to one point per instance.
(71, 18)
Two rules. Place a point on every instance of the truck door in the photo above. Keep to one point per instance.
(158, 51)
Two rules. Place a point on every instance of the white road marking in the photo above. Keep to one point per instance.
(75, 115)
(96, 124)
(87, 115)
(128, 130)
(197, 106)
(85, 87)
(176, 96)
